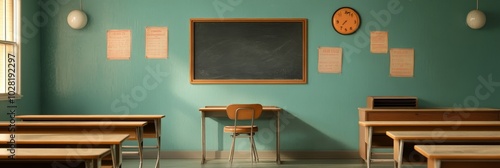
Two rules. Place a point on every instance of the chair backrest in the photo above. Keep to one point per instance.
(244, 111)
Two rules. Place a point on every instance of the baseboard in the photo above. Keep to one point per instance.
(148, 154)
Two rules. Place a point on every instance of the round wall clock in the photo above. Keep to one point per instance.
(346, 20)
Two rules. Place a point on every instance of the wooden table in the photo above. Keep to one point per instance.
(463, 156)
(133, 128)
(420, 114)
(91, 157)
(437, 137)
(220, 111)
(152, 129)
(380, 127)
(89, 140)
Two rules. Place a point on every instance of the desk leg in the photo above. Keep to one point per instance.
(158, 141)
(141, 145)
(369, 147)
(433, 163)
(203, 152)
(278, 157)
(113, 156)
(400, 156)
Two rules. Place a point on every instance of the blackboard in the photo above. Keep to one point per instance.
(248, 51)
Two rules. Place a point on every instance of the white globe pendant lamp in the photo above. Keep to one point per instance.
(77, 19)
(476, 19)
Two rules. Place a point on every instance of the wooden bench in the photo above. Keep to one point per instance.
(133, 128)
(460, 156)
(438, 137)
(375, 128)
(111, 141)
(152, 129)
(31, 157)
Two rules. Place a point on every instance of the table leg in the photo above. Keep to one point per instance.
(369, 147)
(400, 156)
(158, 141)
(278, 157)
(113, 156)
(141, 145)
(433, 163)
(203, 152)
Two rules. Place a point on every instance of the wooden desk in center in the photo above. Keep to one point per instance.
(220, 111)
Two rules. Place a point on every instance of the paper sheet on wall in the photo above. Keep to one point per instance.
(379, 42)
(119, 44)
(330, 60)
(402, 62)
(156, 42)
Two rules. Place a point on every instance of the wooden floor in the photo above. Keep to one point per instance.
(219, 163)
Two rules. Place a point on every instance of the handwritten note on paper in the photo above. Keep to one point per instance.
(379, 42)
(330, 60)
(156, 42)
(402, 62)
(118, 44)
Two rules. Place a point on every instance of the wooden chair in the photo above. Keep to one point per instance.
(238, 112)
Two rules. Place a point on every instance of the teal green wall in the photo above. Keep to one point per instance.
(30, 67)
(450, 60)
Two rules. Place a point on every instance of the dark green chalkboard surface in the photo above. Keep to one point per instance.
(249, 51)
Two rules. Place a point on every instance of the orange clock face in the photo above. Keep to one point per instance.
(346, 20)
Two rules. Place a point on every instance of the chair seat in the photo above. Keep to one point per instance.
(240, 129)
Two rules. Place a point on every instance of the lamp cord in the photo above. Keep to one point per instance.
(81, 8)
(477, 4)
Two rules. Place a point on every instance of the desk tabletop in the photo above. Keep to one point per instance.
(92, 117)
(459, 151)
(444, 135)
(54, 153)
(429, 123)
(223, 108)
(59, 139)
(75, 124)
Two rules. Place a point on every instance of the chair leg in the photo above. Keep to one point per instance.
(252, 152)
(231, 153)
(254, 149)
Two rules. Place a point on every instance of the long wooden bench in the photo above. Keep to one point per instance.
(460, 156)
(377, 128)
(111, 141)
(152, 129)
(32, 157)
(133, 128)
(438, 137)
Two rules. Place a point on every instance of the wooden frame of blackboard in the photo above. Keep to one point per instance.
(291, 65)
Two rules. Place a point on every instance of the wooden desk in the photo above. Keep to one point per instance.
(152, 129)
(374, 128)
(133, 128)
(422, 114)
(437, 137)
(89, 140)
(463, 156)
(220, 111)
(91, 157)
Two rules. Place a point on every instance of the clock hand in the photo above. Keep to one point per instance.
(344, 22)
